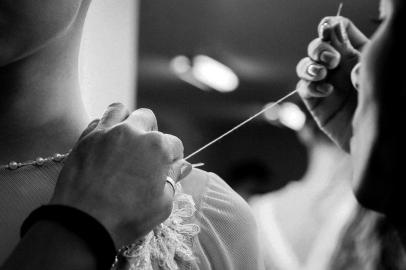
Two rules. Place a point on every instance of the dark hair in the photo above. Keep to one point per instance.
(369, 242)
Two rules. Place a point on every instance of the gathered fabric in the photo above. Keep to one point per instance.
(167, 245)
(210, 228)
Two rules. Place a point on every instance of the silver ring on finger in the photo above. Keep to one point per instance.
(171, 182)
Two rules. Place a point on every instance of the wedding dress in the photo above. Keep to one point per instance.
(211, 227)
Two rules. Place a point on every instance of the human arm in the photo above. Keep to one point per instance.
(48, 246)
(378, 146)
(116, 178)
(325, 74)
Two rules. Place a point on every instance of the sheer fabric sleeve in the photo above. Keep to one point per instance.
(228, 239)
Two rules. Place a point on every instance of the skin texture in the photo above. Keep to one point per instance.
(26, 28)
(41, 113)
(117, 173)
(329, 93)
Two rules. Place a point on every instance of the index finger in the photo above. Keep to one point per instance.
(143, 119)
(355, 36)
(114, 114)
(173, 146)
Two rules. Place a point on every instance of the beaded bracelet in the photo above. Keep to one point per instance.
(80, 223)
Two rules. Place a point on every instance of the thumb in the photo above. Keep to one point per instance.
(341, 41)
(89, 128)
(346, 38)
(179, 170)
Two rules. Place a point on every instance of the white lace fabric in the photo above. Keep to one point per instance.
(167, 245)
(227, 240)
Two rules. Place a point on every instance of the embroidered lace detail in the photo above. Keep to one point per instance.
(167, 245)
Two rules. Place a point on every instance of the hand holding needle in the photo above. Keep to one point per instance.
(340, 7)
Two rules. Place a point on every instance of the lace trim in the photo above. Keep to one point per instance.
(167, 245)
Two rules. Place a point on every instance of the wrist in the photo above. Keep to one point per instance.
(79, 223)
(49, 245)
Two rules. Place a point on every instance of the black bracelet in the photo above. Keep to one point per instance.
(80, 223)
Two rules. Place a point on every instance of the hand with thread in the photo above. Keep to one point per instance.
(325, 74)
(117, 173)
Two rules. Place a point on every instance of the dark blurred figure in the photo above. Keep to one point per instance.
(369, 243)
(250, 177)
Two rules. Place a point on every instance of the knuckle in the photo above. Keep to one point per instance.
(154, 141)
(148, 113)
(147, 117)
(313, 48)
(145, 111)
(303, 89)
(117, 131)
(115, 108)
(119, 107)
(178, 144)
(301, 66)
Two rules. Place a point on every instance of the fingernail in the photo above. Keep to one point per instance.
(94, 122)
(325, 89)
(327, 57)
(115, 104)
(185, 170)
(323, 33)
(314, 70)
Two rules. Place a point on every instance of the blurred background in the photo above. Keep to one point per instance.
(203, 66)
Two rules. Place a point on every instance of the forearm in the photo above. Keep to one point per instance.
(49, 246)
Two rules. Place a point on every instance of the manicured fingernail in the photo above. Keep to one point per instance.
(325, 89)
(323, 33)
(94, 122)
(327, 57)
(314, 70)
(116, 104)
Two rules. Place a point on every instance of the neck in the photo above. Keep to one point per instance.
(324, 162)
(41, 111)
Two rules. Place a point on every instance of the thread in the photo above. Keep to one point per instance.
(340, 8)
(241, 124)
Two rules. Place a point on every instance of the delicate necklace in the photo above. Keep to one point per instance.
(39, 161)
